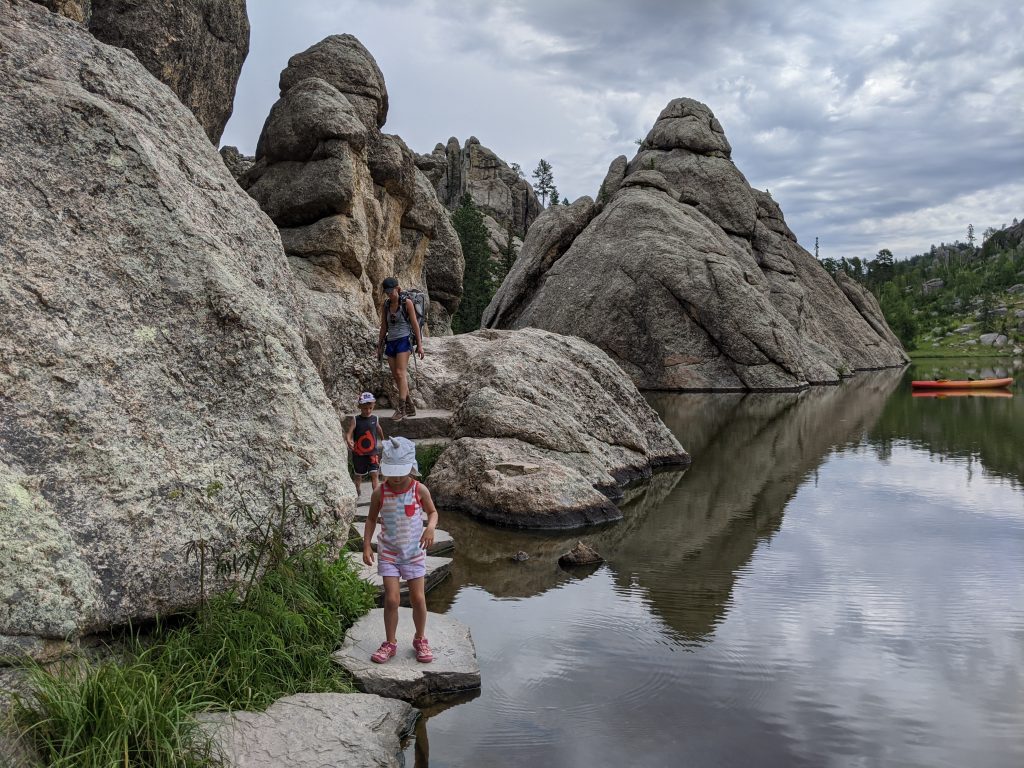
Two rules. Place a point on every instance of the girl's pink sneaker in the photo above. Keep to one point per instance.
(423, 653)
(385, 652)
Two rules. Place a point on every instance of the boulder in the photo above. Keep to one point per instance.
(152, 364)
(1014, 289)
(315, 730)
(580, 554)
(454, 670)
(929, 287)
(195, 47)
(546, 428)
(352, 209)
(237, 163)
(76, 10)
(993, 339)
(689, 278)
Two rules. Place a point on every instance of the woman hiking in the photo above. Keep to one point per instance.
(398, 326)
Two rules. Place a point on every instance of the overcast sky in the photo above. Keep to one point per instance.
(874, 124)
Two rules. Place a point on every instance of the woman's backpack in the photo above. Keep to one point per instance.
(420, 302)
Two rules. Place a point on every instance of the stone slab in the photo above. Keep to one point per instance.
(453, 672)
(443, 541)
(438, 569)
(426, 424)
(315, 730)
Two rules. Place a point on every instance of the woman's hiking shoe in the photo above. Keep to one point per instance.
(410, 409)
(399, 410)
(385, 652)
(422, 647)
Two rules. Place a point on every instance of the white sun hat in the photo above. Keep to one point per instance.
(398, 458)
(367, 397)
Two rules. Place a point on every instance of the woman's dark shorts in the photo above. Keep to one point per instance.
(394, 348)
(364, 465)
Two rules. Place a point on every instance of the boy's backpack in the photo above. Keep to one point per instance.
(420, 302)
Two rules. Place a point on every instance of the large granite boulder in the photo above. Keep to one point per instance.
(502, 195)
(195, 47)
(152, 364)
(689, 278)
(315, 730)
(352, 209)
(546, 428)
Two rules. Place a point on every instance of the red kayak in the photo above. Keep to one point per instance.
(970, 384)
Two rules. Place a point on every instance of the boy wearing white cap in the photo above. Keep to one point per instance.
(364, 437)
(399, 504)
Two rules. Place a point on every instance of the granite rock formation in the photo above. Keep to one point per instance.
(352, 208)
(504, 197)
(152, 363)
(546, 429)
(689, 278)
(195, 47)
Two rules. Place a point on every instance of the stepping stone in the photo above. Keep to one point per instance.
(443, 541)
(315, 730)
(438, 569)
(453, 672)
(427, 423)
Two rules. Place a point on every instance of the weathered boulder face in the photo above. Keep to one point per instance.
(503, 196)
(195, 47)
(76, 10)
(352, 209)
(689, 278)
(236, 162)
(150, 349)
(546, 428)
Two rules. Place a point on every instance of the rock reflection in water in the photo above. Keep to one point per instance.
(751, 453)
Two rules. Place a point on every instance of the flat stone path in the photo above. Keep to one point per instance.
(443, 541)
(454, 671)
(438, 569)
(427, 423)
(315, 730)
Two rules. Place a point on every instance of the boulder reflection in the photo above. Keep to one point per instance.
(684, 536)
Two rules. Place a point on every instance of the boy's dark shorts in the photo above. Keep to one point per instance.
(364, 465)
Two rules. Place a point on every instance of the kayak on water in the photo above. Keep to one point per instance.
(970, 384)
(961, 393)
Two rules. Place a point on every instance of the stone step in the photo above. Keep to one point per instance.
(427, 423)
(454, 671)
(443, 541)
(438, 569)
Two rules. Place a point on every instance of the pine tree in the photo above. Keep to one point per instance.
(545, 179)
(816, 255)
(508, 253)
(565, 201)
(479, 281)
(554, 196)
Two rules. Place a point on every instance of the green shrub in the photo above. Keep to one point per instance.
(111, 714)
(236, 653)
(426, 457)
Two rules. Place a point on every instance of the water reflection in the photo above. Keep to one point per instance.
(834, 582)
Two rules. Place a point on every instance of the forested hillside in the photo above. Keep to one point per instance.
(956, 298)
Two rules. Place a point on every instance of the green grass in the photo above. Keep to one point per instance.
(426, 457)
(233, 654)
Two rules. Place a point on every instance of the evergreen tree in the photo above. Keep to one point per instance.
(554, 196)
(479, 281)
(970, 235)
(816, 254)
(545, 181)
(565, 201)
(508, 253)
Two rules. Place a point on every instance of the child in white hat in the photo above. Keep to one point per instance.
(364, 436)
(399, 504)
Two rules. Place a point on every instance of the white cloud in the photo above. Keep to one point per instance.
(874, 124)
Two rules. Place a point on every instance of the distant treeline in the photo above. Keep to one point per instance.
(947, 281)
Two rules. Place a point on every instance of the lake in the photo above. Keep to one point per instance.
(838, 580)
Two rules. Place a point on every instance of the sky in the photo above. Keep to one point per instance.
(873, 124)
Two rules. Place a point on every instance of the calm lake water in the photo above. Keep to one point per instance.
(838, 580)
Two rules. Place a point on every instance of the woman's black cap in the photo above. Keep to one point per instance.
(389, 284)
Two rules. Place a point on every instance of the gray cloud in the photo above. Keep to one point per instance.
(873, 124)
